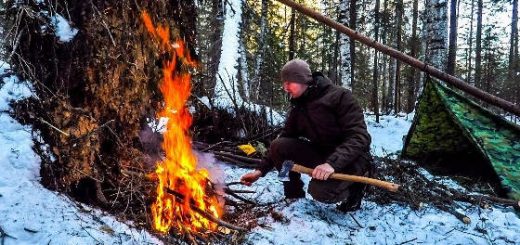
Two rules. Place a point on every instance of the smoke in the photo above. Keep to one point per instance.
(216, 174)
(151, 142)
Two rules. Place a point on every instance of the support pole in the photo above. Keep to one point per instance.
(456, 82)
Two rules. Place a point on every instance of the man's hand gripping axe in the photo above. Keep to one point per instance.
(289, 165)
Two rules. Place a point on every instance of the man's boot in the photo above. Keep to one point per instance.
(293, 189)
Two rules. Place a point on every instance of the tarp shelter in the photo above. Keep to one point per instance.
(451, 131)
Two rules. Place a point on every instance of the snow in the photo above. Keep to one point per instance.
(32, 214)
(388, 135)
(62, 28)
(309, 222)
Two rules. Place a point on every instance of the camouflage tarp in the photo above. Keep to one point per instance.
(448, 124)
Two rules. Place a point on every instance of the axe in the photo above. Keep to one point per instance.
(289, 165)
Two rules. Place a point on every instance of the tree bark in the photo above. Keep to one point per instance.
(397, 86)
(375, 99)
(478, 49)
(414, 45)
(292, 35)
(259, 64)
(470, 45)
(452, 46)
(213, 48)
(513, 70)
(346, 58)
(437, 33)
(353, 24)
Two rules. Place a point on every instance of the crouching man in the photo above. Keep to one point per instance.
(324, 130)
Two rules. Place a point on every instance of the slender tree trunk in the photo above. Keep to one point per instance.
(353, 23)
(513, 49)
(470, 45)
(257, 77)
(478, 49)
(375, 102)
(452, 47)
(292, 35)
(385, 62)
(397, 96)
(346, 59)
(213, 48)
(414, 44)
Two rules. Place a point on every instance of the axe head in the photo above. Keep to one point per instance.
(287, 166)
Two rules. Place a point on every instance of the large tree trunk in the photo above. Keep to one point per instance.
(97, 91)
(452, 47)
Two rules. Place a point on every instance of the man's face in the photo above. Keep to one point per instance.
(294, 89)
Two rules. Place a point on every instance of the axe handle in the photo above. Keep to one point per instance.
(353, 178)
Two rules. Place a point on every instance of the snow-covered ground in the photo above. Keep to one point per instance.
(31, 214)
(309, 222)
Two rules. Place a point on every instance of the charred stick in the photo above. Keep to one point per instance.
(503, 201)
(215, 145)
(236, 162)
(239, 158)
(239, 191)
(234, 183)
(465, 219)
(233, 194)
(205, 214)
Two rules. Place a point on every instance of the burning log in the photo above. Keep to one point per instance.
(204, 213)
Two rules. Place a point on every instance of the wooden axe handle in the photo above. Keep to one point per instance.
(353, 178)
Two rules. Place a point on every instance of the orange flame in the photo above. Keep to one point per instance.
(178, 170)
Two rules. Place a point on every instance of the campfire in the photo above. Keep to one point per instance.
(184, 195)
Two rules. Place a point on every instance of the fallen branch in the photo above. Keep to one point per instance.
(233, 194)
(239, 158)
(236, 162)
(53, 127)
(204, 213)
(215, 145)
(462, 217)
(4, 235)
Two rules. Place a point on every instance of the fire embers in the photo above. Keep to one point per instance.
(182, 196)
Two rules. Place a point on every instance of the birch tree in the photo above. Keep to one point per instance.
(345, 64)
(436, 33)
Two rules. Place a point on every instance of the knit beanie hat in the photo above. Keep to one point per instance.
(297, 71)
